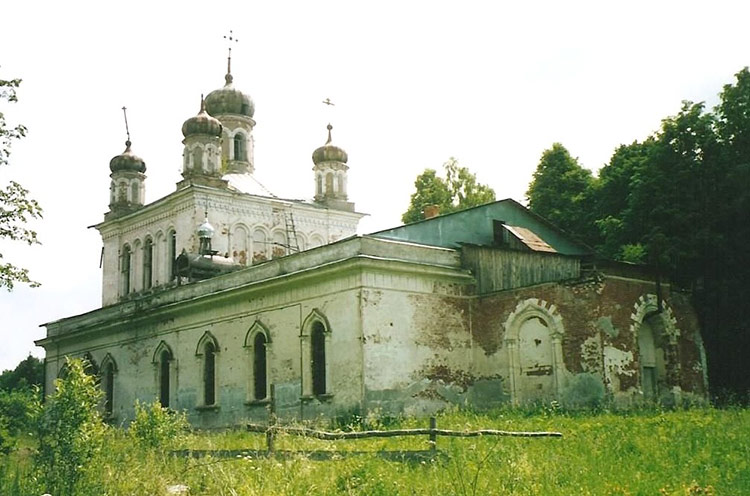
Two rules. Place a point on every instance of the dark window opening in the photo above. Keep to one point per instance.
(239, 147)
(109, 389)
(148, 263)
(259, 367)
(172, 253)
(164, 371)
(209, 374)
(318, 365)
(125, 270)
(502, 237)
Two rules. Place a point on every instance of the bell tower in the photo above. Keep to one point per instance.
(235, 110)
(330, 175)
(127, 188)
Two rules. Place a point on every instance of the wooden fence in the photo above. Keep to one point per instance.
(433, 432)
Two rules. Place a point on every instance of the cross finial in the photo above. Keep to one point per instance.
(230, 38)
(127, 130)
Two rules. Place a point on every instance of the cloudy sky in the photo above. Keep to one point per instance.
(414, 82)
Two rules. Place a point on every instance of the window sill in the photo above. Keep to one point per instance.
(207, 408)
(323, 398)
(263, 402)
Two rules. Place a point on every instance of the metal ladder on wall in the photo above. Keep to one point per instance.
(291, 231)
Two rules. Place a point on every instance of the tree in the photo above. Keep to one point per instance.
(28, 373)
(560, 191)
(459, 191)
(70, 430)
(16, 208)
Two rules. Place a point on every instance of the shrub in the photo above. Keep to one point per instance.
(157, 427)
(70, 431)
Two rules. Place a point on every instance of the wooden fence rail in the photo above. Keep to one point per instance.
(433, 432)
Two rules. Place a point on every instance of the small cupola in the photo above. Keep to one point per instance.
(202, 124)
(127, 187)
(329, 152)
(205, 234)
(127, 161)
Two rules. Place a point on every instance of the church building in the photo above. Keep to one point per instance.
(222, 299)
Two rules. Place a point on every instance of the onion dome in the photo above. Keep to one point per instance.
(329, 152)
(127, 161)
(202, 123)
(229, 100)
(206, 230)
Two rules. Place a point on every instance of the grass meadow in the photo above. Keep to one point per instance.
(681, 452)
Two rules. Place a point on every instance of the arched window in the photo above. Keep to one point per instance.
(207, 350)
(125, 271)
(108, 370)
(171, 253)
(163, 361)
(318, 358)
(135, 196)
(198, 160)
(239, 147)
(209, 374)
(314, 340)
(257, 341)
(260, 379)
(329, 184)
(148, 263)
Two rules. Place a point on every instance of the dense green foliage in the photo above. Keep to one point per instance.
(701, 451)
(16, 208)
(560, 191)
(680, 201)
(157, 427)
(458, 191)
(28, 373)
(70, 432)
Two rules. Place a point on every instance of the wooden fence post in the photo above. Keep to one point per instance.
(433, 435)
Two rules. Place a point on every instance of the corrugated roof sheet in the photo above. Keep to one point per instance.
(529, 238)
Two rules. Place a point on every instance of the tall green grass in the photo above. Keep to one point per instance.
(699, 451)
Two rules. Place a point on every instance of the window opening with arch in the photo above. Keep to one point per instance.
(163, 360)
(108, 371)
(240, 150)
(318, 358)
(125, 269)
(171, 253)
(315, 342)
(257, 343)
(148, 263)
(207, 349)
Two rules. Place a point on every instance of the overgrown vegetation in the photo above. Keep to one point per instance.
(701, 451)
(651, 451)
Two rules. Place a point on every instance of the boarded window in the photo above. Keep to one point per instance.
(209, 374)
(259, 367)
(318, 359)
